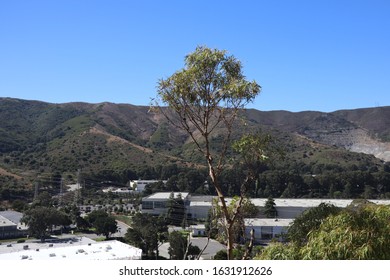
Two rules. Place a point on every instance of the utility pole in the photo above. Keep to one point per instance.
(36, 189)
(61, 190)
(77, 195)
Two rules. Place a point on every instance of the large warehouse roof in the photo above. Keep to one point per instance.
(4, 222)
(105, 250)
(13, 216)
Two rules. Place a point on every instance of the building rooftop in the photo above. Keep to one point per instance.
(148, 181)
(4, 222)
(200, 203)
(268, 222)
(165, 195)
(307, 202)
(13, 216)
(105, 250)
(203, 198)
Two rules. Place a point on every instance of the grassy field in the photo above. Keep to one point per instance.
(124, 219)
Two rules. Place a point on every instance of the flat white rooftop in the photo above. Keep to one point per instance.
(307, 203)
(4, 222)
(268, 222)
(105, 250)
(13, 216)
(166, 195)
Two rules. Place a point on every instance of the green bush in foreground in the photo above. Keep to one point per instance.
(354, 234)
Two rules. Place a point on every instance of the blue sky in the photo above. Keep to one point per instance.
(306, 55)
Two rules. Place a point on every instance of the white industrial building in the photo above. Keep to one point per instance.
(290, 208)
(86, 249)
(287, 208)
(197, 207)
(140, 185)
(156, 204)
(10, 225)
(267, 229)
(118, 190)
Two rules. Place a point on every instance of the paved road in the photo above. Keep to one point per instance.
(122, 229)
(212, 248)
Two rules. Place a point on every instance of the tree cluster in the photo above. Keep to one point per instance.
(292, 183)
(325, 232)
(41, 220)
(180, 247)
(215, 226)
(43, 217)
(102, 223)
(176, 214)
(147, 232)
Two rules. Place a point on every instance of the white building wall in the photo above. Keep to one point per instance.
(267, 229)
(199, 211)
(139, 185)
(289, 212)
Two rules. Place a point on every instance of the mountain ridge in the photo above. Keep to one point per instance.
(47, 136)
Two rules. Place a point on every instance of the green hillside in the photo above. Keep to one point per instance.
(120, 142)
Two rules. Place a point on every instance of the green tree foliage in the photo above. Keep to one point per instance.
(280, 251)
(73, 211)
(176, 214)
(41, 220)
(211, 227)
(95, 215)
(358, 233)
(221, 255)
(154, 187)
(105, 226)
(269, 208)
(147, 232)
(238, 253)
(102, 222)
(216, 224)
(180, 248)
(43, 199)
(310, 220)
(205, 97)
(19, 205)
(177, 245)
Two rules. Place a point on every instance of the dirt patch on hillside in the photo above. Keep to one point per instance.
(4, 172)
(116, 139)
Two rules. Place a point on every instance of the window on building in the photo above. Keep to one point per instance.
(159, 204)
(147, 204)
(266, 233)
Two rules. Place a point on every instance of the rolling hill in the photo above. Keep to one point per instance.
(38, 137)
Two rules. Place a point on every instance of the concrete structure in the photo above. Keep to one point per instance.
(127, 207)
(73, 187)
(10, 225)
(139, 185)
(287, 208)
(77, 248)
(8, 229)
(267, 229)
(118, 190)
(156, 204)
(199, 206)
(290, 208)
(198, 230)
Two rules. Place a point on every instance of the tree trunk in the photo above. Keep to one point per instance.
(248, 251)
(230, 242)
(228, 219)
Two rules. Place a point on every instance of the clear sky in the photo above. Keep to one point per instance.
(307, 55)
